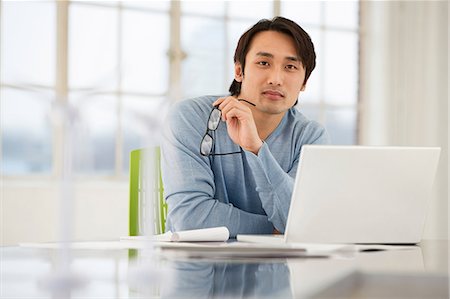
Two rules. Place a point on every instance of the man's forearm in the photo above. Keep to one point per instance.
(274, 187)
(191, 212)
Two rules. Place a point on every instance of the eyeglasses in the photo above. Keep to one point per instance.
(207, 144)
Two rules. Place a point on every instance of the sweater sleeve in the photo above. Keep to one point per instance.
(275, 185)
(189, 181)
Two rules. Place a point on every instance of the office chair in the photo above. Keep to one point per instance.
(138, 186)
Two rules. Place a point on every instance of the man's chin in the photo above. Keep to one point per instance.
(274, 109)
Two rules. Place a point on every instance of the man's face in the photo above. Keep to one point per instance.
(273, 75)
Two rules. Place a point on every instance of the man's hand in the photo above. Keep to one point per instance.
(240, 123)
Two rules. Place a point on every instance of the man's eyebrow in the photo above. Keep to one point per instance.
(290, 58)
(293, 58)
(265, 54)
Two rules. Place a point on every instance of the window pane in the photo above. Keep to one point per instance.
(207, 8)
(28, 44)
(313, 93)
(162, 5)
(94, 135)
(111, 3)
(341, 13)
(203, 71)
(302, 12)
(141, 120)
(92, 47)
(145, 44)
(341, 125)
(341, 65)
(26, 132)
(261, 9)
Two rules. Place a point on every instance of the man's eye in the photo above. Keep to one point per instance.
(291, 67)
(263, 63)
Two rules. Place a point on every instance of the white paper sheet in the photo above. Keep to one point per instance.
(213, 234)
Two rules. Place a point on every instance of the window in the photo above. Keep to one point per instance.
(118, 62)
(118, 76)
(27, 86)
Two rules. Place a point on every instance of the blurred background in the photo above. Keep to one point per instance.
(381, 79)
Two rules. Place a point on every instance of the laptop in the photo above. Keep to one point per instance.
(358, 194)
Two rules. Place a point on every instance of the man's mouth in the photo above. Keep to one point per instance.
(273, 94)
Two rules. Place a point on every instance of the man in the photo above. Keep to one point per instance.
(240, 173)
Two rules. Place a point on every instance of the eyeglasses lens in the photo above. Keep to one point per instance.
(214, 119)
(206, 145)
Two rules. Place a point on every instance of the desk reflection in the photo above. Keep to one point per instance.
(226, 280)
(107, 273)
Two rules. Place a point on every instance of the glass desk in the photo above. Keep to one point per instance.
(417, 272)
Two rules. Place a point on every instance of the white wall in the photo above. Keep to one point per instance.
(404, 86)
(29, 211)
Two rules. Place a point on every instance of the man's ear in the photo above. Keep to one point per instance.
(303, 87)
(238, 72)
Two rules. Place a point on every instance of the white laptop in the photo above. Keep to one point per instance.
(359, 194)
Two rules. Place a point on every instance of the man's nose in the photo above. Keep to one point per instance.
(275, 77)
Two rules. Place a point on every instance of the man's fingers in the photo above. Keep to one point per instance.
(219, 101)
(231, 107)
(234, 110)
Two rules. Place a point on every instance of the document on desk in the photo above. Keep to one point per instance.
(213, 234)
